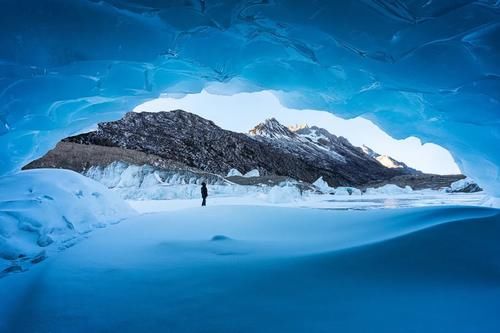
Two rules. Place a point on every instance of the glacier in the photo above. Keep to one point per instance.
(133, 182)
(419, 68)
(43, 211)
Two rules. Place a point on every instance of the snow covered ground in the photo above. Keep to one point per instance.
(269, 269)
(266, 261)
(45, 210)
(150, 190)
(321, 201)
(134, 182)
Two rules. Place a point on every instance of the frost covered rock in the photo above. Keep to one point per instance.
(234, 172)
(465, 185)
(252, 173)
(389, 189)
(44, 207)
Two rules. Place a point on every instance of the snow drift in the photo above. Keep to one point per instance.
(269, 269)
(48, 208)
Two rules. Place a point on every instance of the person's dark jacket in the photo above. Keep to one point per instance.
(204, 192)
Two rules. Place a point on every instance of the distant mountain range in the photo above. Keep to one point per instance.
(179, 140)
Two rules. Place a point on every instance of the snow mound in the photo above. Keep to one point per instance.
(434, 269)
(252, 173)
(491, 202)
(234, 172)
(283, 194)
(46, 207)
(389, 189)
(323, 186)
(218, 238)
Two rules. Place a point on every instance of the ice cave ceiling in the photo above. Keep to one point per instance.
(429, 68)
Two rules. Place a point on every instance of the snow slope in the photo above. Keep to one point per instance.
(48, 209)
(268, 269)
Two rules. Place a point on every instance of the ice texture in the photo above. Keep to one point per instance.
(151, 190)
(134, 182)
(234, 172)
(389, 189)
(50, 208)
(322, 185)
(423, 68)
(461, 184)
(345, 190)
(252, 173)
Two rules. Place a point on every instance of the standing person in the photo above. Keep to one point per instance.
(204, 193)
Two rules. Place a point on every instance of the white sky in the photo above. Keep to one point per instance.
(241, 112)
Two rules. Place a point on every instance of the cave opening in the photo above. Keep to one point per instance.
(303, 229)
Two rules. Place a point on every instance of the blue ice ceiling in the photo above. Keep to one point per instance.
(427, 68)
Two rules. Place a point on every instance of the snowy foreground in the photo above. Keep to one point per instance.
(243, 264)
(269, 269)
(46, 210)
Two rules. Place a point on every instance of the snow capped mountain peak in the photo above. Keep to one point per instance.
(315, 134)
(174, 144)
(313, 137)
(271, 128)
(296, 127)
(303, 140)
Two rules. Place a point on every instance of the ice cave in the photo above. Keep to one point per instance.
(423, 68)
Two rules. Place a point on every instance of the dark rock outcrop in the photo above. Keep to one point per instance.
(192, 141)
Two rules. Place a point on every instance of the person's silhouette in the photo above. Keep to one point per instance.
(204, 193)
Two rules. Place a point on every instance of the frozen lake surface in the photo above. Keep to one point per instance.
(322, 201)
(269, 269)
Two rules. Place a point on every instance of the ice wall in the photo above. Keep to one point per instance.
(417, 67)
